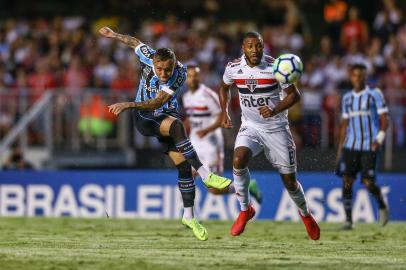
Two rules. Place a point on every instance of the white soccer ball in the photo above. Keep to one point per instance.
(287, 68)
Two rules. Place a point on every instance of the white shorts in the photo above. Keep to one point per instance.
(211, 156)
(278, 146)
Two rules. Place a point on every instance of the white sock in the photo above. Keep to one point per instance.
(299, 199)
(188, 213)
(241, 183)
(203, 172)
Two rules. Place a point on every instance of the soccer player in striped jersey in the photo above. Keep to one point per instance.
(203, 116)
(265, 127)
(362, 133)
(155, 113)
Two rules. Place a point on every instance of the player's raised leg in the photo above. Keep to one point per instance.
(173, 128)
(188, 191)
(241, 174)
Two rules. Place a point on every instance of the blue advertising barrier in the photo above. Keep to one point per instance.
(155, 195)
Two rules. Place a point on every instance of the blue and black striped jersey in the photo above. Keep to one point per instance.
(362, 110)
(150, 84)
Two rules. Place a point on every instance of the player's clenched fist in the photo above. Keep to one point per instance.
(106, 32)
(226, 121)
(266, 112)
(119, 107)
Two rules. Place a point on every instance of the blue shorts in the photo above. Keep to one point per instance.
(148, 124)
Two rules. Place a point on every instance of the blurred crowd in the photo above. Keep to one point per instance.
(66, 54)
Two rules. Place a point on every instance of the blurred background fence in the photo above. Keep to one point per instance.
(62, 130)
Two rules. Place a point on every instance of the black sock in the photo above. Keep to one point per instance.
(184, 146)
(347, 201)
(376, 192)
(186, 184)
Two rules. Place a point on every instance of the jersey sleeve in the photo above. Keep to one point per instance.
(213, 102)
(145, 53)
(175, 84)
(344, 108)
(227, 77)
(380, 102)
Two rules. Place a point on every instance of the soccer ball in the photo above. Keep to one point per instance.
(287, 68)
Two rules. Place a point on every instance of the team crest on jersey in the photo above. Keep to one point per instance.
(251, 84)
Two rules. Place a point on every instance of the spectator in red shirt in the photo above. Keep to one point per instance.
(42, 79)
(125, 79)
(354, 30)
(75, 77)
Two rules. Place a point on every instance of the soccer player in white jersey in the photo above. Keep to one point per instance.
(265, 127)
(202, 108)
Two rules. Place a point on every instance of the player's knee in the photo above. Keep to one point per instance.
(176, 127)
(240, 162)
(369, 184)
(347, 184)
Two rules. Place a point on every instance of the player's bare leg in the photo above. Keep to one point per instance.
(375, 190)
(296, 193)
(253, 187)
(347, 201)
(253, 190)
(242, 156)
(173, 128)
(187, 189)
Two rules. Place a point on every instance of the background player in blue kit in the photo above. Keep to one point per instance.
(362, 133)
(155, 113)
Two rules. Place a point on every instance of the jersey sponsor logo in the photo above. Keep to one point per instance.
(144, 50)
(150, 89)
(359, 113)
(252, 101)
(180, 79)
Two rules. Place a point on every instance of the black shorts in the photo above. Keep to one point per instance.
(359, 161)
(148, 124)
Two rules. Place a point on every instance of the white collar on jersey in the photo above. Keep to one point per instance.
(357, 94)
(245, 63)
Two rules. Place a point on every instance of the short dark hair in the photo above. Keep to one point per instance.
(163, 54)
(252, 34)
(360, 66)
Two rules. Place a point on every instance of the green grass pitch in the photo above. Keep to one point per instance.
(65, 243)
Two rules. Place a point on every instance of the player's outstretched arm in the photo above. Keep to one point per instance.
(292, 97)
(224, 100)
(148, 105)
(127, 40)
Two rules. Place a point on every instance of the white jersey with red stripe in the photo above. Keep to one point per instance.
(257, 87)
(202, 108)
